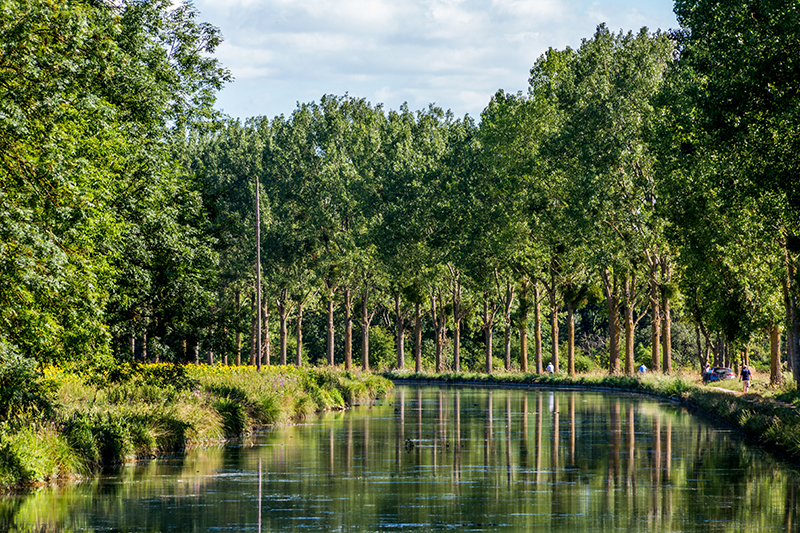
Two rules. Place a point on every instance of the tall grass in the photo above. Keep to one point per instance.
(100, 416)
(37, 454)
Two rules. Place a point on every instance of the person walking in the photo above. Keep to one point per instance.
(706, 374)
(744, 377)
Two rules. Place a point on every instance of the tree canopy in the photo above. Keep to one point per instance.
(641, 199)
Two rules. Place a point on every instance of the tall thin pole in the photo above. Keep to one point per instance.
(258, 275)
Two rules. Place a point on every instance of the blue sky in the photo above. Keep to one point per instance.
(454, 53)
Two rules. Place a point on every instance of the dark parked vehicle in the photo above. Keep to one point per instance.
(718, 373)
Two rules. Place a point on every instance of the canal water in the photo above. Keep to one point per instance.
(463, 459)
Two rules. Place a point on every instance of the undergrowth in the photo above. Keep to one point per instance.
(71, 421)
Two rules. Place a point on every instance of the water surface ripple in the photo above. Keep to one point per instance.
(465, 459)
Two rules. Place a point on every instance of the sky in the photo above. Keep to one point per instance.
(452, 53)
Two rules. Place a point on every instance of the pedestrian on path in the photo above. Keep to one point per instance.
(744, 377)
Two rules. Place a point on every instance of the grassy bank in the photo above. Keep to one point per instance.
(765, 418)
(71, 421)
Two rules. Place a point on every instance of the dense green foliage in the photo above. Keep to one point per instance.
(638, 205)
(99, 232)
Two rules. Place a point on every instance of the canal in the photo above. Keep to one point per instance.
(430, 458)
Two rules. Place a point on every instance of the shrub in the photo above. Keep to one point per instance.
(677, 386)
(381, 348)
(583, 363)
(354, 392)
(164, 376)
(303, 406)
(267, 410)
(22, 388)
(78, 430)
(377, 386)
(37, 454)
(234, 418)
(113, 438)
(322, 400)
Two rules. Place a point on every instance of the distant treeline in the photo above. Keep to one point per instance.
(642, 197)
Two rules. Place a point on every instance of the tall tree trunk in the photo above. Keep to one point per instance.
(666, 333)
(225, 346)
(365, 323)
(700, 355)
(612, 303)
(487, 332)
(457, 327)
(133, 346)
(266, 339)
(258, 277)
(630, 287)
(655, 310)
(144, 345)
(775, 377)
(211, 345)
(537, 327)
(554, 330)
(197, 352)
(253, 329)
(156, 354)
(299, 335)
(283, 317)
(418, 337)
(554, 334)
(570, 339)
(438, 326)
(629, 347)
(348, 329)
(613, 336)
(666, 328)
(399, 333)
(331, 331)
(726, 354)
(795, 340)
(793, 271)
(791, 355)
(238, 328)
(439, 349)
(508, 304)
(523, 328)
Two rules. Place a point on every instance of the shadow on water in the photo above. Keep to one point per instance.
(445, 458)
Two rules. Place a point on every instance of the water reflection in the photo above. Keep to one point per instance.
(446, 458)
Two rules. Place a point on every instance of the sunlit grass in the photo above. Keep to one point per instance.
(117, 413)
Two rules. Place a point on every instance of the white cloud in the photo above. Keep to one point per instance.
(531, 9)
(456, 53)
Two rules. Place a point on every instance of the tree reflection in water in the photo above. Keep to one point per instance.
(428, 458)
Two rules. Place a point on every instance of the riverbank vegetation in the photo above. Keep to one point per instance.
(769, 418)
(76, 419)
